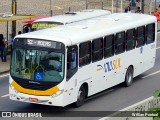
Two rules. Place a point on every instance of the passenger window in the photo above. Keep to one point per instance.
(72, 62)
(84, 53)
(130, 39)
(150, 33)
(140, 36)
(120, 43)
(108, 46)
(97, 49)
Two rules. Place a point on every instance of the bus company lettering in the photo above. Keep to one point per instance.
(111, 65)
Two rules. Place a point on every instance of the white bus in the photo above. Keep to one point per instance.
(66, 64)
(67, 18)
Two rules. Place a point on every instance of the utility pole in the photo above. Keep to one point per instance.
(14, 12)
(155, 6)
(86, 4)
(112, 6)
(116, 5)
(142, 6)
(51, 7)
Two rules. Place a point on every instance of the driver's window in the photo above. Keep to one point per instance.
(72, 61)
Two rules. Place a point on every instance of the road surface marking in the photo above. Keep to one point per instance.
(157, 48)
(5, 95)
(4, 75)
(151, 74)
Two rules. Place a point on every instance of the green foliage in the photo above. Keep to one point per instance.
(156, 93)
(156, 118)
(157, 109)
(154, 110)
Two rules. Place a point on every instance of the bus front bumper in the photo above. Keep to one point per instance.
(45, 100)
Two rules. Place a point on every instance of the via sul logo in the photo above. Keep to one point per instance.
(109, 66)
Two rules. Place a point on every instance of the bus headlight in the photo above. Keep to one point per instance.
(57, 93)
(13, 88)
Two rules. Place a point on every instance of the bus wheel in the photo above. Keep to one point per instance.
(80, 97)
(129, 77)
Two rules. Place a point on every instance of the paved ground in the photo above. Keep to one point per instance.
(4, 66)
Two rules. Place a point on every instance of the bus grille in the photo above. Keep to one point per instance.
(35, 86)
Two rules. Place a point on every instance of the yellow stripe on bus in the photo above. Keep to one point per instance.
(35, 92)
(99, 69)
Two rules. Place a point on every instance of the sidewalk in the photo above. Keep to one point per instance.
(5, 66)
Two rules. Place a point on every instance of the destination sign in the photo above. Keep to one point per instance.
(37, 43)
(41, 43)
(44, 25)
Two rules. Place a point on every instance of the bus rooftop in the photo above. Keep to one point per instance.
(67, 18)
(70, 17)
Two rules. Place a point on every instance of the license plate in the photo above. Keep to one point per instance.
(33, 99)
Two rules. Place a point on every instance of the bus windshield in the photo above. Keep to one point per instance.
(43, 25)
(40, 64)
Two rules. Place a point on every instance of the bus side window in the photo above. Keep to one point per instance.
(97, 49)
(130, 39)
(108, 46)
(84, 53)
(72, 62)
(120, 43)
(140, 35)
(150, 33)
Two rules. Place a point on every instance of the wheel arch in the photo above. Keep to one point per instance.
(85, 85)
(132, 68)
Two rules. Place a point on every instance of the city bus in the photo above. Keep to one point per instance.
(67, 18)
(66, 64)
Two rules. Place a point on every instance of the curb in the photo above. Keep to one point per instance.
(4, 72)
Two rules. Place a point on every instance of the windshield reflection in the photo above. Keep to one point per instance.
(37, 65)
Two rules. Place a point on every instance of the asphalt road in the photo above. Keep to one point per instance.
(113, 99)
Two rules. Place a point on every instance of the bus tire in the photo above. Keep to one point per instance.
(129, 77)
(80, 97)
